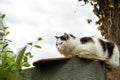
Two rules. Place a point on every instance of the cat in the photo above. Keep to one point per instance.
(88, 47)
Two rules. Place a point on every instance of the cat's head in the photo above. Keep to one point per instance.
(63, 41)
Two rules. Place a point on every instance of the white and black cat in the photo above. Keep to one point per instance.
(98, 48)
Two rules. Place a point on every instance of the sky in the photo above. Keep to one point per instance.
(30, 19)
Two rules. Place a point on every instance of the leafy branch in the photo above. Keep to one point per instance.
(11, 63)
(105, 11)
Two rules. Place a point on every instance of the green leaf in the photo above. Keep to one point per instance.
(39, 39)
(9, 51)
(29, 54)
(2, 33)
(1, 28)
(2, 42)
(6, 27)
(30, 43)
(22, 73)
(18, 62)
(5, 46)
(37, 46)
(2, 16)
(7, 33)
(6, 75)
(25, 59)
(8, 40)
(26, 64)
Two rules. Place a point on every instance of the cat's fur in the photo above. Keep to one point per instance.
(70, 46)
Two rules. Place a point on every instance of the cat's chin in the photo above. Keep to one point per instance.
(63, 52)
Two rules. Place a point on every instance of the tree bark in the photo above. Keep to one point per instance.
(114, 15)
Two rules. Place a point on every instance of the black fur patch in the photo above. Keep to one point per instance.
(110, 47)
(107, 46)
(63, 38)
(103, 44)
(85, 40)
(72, 36)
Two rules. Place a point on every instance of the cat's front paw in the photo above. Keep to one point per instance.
(68, 56)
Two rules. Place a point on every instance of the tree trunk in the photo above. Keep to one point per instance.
(115, 36)
(113, 30)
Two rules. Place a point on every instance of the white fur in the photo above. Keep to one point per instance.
(73, 47)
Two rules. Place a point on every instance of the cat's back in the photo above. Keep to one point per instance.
(90, 40)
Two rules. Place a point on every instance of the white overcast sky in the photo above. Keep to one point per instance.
(29, 19)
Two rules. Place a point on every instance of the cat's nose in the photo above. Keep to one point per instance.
(58, 48)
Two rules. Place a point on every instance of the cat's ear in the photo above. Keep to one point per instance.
(66, 35)
(56, 37)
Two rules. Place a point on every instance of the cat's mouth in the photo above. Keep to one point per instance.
(61, 51)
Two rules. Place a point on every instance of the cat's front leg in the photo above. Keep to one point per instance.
(68, 56)
(85, 54)
(91, 56)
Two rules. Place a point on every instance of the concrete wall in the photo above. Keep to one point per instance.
(69, 69)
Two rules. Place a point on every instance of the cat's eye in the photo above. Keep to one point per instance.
(56, 44)
(61, 43)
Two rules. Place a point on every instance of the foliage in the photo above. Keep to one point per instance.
(10, 63)
(104, 10)
(6, 75)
